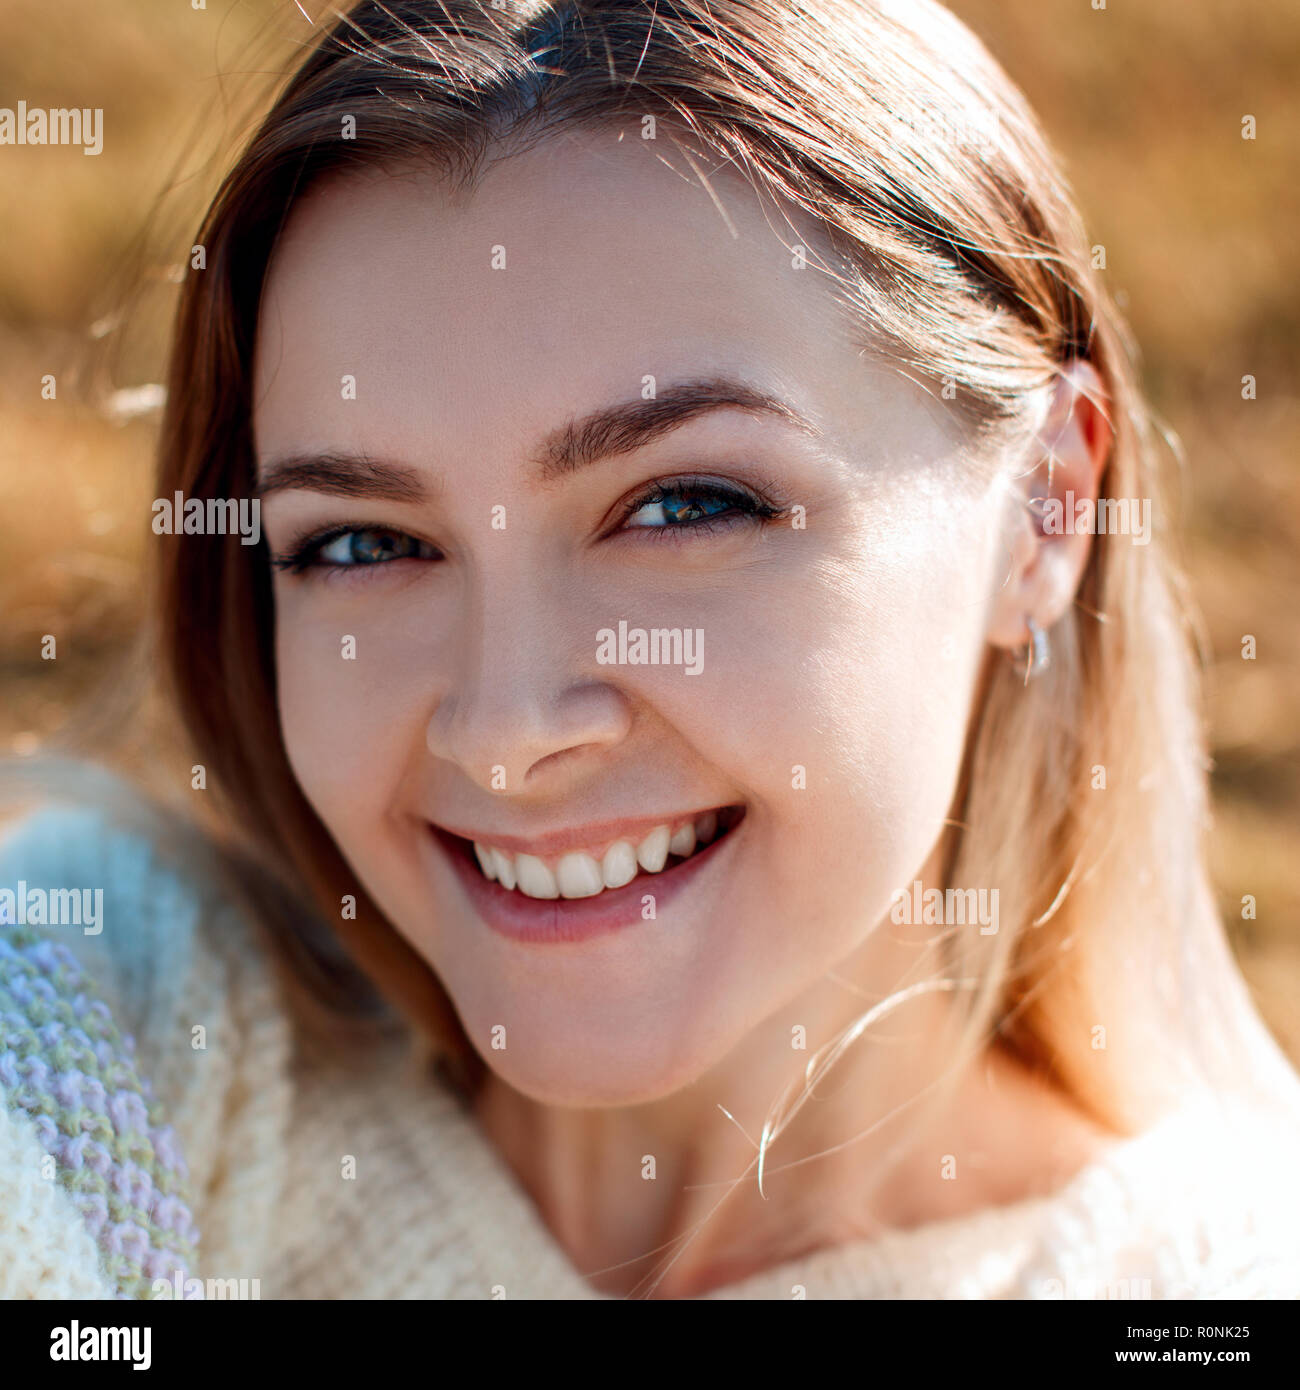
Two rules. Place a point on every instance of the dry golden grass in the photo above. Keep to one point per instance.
(1144, 103)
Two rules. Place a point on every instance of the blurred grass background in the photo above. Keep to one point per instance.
(1144, 102)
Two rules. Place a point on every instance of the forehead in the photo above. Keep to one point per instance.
(572, 272)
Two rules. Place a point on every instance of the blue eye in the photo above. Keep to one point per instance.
(673, 508)
(370, 547)
(353, 548)
(700, 505)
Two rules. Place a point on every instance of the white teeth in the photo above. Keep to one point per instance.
(652, 852)
(683, 842)
(578, 876)
(535, 879)
(581, 875)
(505, 867)
(619, 864)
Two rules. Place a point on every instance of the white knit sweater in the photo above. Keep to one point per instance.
(328, 1175)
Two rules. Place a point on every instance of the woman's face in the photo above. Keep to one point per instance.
(593, 400)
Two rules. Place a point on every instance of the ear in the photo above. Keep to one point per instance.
(1069, 456)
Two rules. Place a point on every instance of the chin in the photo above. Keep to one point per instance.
(594, 1069)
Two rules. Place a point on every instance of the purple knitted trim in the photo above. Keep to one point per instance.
(64, 1064)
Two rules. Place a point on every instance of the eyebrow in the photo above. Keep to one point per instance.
(605, 433)
(620, 429)
(342, 475)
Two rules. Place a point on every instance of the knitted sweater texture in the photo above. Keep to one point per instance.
(166, 1127)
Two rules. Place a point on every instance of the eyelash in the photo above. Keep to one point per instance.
(746, 507)
(303, 555)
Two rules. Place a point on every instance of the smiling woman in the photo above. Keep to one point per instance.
(528, 327)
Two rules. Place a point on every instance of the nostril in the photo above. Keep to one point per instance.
(551, 761)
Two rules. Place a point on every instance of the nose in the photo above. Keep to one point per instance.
(524, 711)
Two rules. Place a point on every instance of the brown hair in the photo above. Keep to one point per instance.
(965, 259)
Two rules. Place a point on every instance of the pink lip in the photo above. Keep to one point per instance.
(543, 921)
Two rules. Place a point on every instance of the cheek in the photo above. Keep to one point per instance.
(350, 706)
(839, 698)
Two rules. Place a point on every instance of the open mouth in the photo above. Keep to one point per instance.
(604, 869)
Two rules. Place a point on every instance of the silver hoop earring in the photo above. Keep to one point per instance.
(1038, 651)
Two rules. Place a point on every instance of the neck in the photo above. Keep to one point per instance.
(662, 1199)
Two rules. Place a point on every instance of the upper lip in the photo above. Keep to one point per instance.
(548, 844)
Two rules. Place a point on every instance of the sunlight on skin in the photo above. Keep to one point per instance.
(850, 647)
